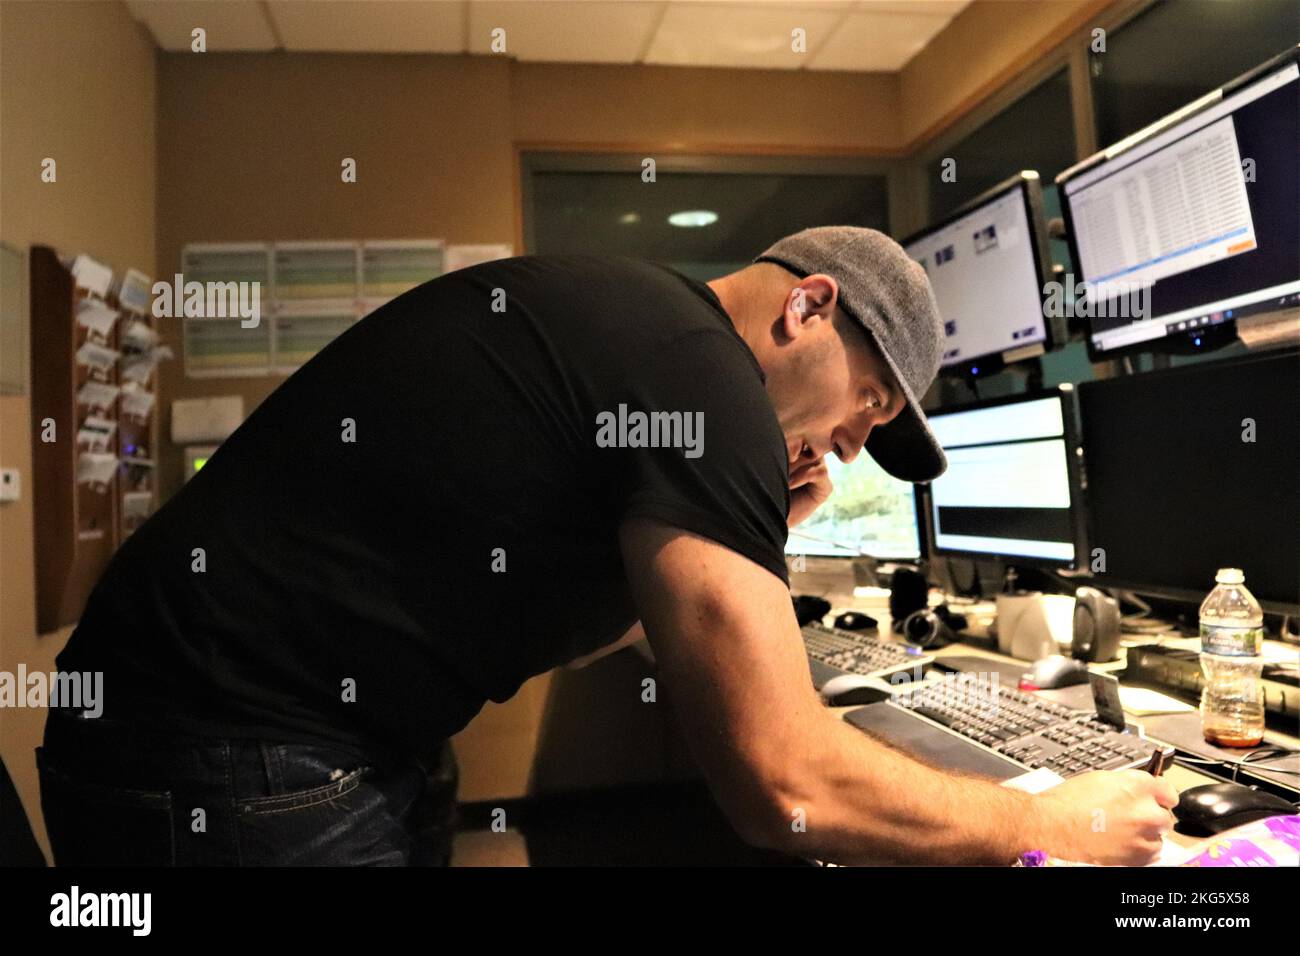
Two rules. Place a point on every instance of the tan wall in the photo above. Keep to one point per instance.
(250, 147)
(76, 85)
(985, 46)
(766, 110)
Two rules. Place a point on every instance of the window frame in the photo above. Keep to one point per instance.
(535, 160)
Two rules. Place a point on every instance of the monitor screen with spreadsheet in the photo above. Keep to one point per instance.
(1010, 490)
(1190, 225)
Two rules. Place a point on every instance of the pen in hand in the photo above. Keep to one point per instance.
(1161, 759)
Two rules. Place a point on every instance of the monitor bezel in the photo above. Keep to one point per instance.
(1072, 436)
(1113, 582)
(1031, 190)
(1215, 336)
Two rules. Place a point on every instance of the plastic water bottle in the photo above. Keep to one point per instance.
(1232, 634)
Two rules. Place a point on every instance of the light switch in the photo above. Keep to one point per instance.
(11, 484)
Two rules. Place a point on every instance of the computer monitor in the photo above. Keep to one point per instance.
(1011, 491)
(869, 512)
(988, 264)
(1191, 224)
(1194, 469)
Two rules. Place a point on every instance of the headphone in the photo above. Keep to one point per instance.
(927, 629)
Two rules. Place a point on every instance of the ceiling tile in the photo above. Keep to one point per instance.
(566, 31)
(370, 26)
(229, 26)
(754, 35)
(876, 41)
(871, 35)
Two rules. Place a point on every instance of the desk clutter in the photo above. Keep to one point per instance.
(1271, 842)
(976, 708)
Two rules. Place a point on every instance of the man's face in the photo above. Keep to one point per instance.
(829, 384)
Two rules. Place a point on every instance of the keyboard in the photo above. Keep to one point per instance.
(832, 651)
(1027, 729)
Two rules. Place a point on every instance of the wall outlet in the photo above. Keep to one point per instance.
(11, 484)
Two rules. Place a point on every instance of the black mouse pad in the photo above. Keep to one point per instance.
(927, 742)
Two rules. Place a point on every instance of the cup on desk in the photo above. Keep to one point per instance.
(1032, 625)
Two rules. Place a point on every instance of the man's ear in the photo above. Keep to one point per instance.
(813, 298)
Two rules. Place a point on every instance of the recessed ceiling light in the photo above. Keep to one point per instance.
(630, 218)
(693, 218)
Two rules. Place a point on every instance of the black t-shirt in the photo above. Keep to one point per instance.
(375, 592)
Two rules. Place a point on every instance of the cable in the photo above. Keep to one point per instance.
(1270, 752)
(1144, 609)
(973, 590)
(1070, 582)
(1143, 624)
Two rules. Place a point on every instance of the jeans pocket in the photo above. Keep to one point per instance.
(335, 789)
(324, 808)
(297, 776)
(316, 813)
(92, 823)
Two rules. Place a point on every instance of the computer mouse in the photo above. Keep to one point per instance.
(849, 690)
(1216, 807)
(1048, 673)
(855, 621)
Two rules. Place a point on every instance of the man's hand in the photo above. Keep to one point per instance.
(1114, 818)
(810, 486)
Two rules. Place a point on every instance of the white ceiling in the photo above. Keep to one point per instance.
(859, 35)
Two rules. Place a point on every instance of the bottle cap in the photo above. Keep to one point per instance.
(1229, 576)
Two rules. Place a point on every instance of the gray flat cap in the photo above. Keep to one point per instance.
(889, 296)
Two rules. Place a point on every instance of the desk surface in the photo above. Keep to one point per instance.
(1181, 776)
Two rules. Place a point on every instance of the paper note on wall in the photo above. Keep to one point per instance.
(136, 293)
(94, 277)
(97, 394)
(96, 316)
(136, 402)
(97, 356)
(96, 432)
(462, 257)
(95, 468)
(139, 337)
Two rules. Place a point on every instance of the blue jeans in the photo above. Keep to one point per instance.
(116, 793)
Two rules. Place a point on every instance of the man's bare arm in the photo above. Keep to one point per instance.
(809, 490)
(729, 650)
